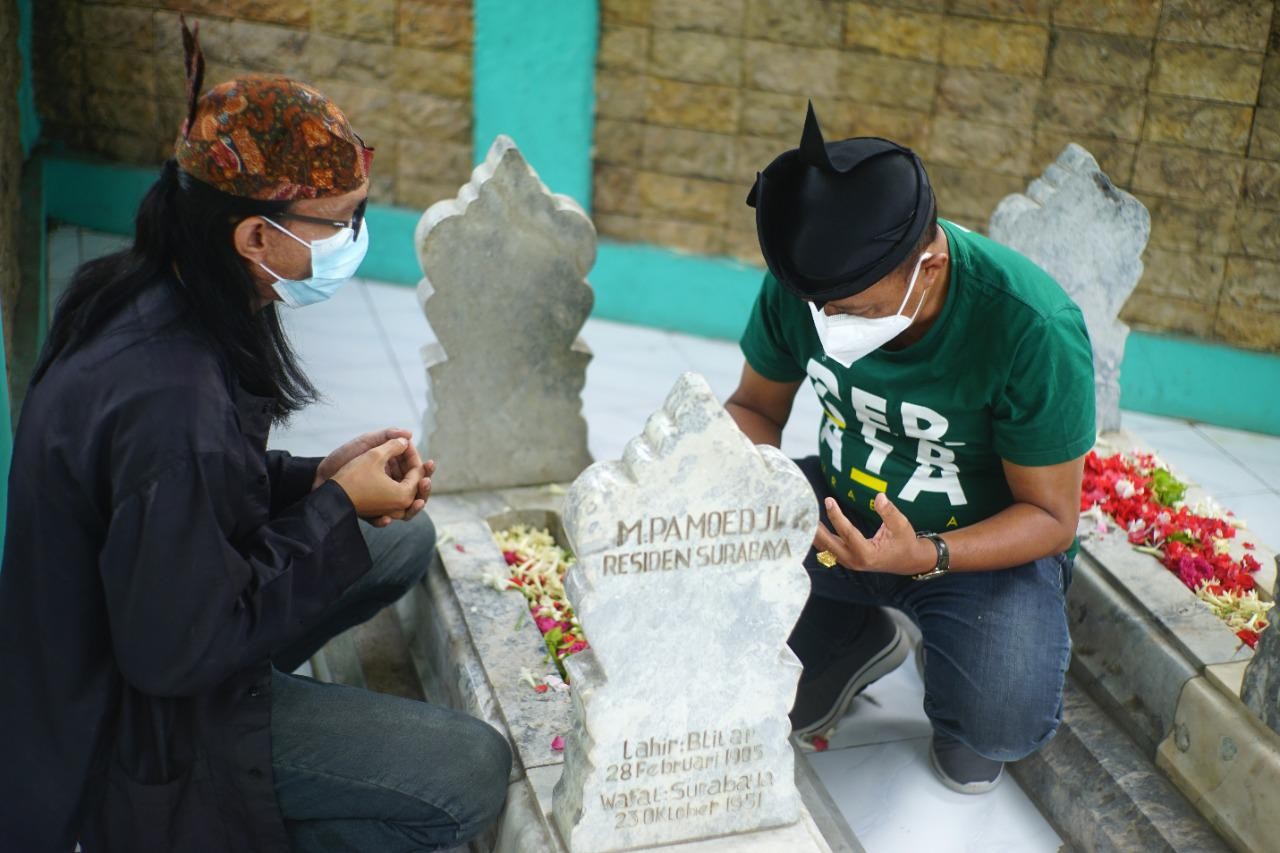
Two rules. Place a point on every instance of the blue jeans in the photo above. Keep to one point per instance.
(996, 643)
(363, 771)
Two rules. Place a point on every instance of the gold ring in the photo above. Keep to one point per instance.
(827, 559)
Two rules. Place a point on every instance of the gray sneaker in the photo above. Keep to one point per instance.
(960, 768)
(823, 696)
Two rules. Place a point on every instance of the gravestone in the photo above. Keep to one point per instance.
(1261, 689)
(504, 288)
(1089, 235)
(688, 582)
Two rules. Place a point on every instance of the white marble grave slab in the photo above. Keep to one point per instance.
(688, 582)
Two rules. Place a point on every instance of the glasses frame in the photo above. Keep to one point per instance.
(357, 219)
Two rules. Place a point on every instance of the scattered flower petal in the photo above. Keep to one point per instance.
(557, 743)
(536, 566)
(1141, 495)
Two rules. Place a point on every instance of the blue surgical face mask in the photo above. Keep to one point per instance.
(334, 260)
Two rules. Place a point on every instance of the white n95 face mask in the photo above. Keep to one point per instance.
(846, 338)
(334, 260)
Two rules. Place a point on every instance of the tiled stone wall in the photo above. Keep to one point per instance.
(110, 76)
(1178, 99)
(10, 167)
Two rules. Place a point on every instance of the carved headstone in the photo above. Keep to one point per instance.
(688, 582)
(504, 287)
(1261, 689)
(1089, 235)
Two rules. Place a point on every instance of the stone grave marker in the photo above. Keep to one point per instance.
(688, 582)
(1261, 689)
(504, 288)
(1089, 235)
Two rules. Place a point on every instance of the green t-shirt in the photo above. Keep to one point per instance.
(1005, 372)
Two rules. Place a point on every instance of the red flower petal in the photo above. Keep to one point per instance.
(458, 546)
(541, 688)
(820, 743)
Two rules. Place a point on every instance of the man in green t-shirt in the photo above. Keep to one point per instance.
(956, 381)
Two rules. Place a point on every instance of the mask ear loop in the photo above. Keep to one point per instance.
(271, 272)
(914, 275)
(280, 227)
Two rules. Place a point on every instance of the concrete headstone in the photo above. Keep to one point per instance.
(688, 582)
(1089, 235)
(504, 288)
(1261, 689)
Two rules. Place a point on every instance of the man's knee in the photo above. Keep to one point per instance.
(487, 755)
(402, 557)
(1009, 732)
(418, 536)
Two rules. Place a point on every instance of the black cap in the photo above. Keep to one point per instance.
(835, 218)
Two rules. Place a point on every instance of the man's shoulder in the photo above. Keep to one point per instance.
(151, 339)
(1004, 277)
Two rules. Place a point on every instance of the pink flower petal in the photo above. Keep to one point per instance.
(557, 743)
(458, 546)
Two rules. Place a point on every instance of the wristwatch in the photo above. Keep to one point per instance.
(944, 557)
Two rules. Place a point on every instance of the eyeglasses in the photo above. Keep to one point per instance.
(357, 219)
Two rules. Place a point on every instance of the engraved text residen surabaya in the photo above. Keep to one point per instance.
(673, 537)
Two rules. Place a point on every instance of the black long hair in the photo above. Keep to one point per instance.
(187, 225)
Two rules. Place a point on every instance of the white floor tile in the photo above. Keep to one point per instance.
(1142, 424)
(609, 432)
(623, 341)
(402, 321)
(893, 803)
(1262, 513)
(1255, 451)
(800, 437)
(1195, 457)
(889, 710)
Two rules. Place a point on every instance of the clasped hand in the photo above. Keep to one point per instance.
(382, 474)
(893, 549)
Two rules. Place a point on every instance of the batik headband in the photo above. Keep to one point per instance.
(264, 137)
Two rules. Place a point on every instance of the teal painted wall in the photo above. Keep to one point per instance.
(652, 286)
(534, 80)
